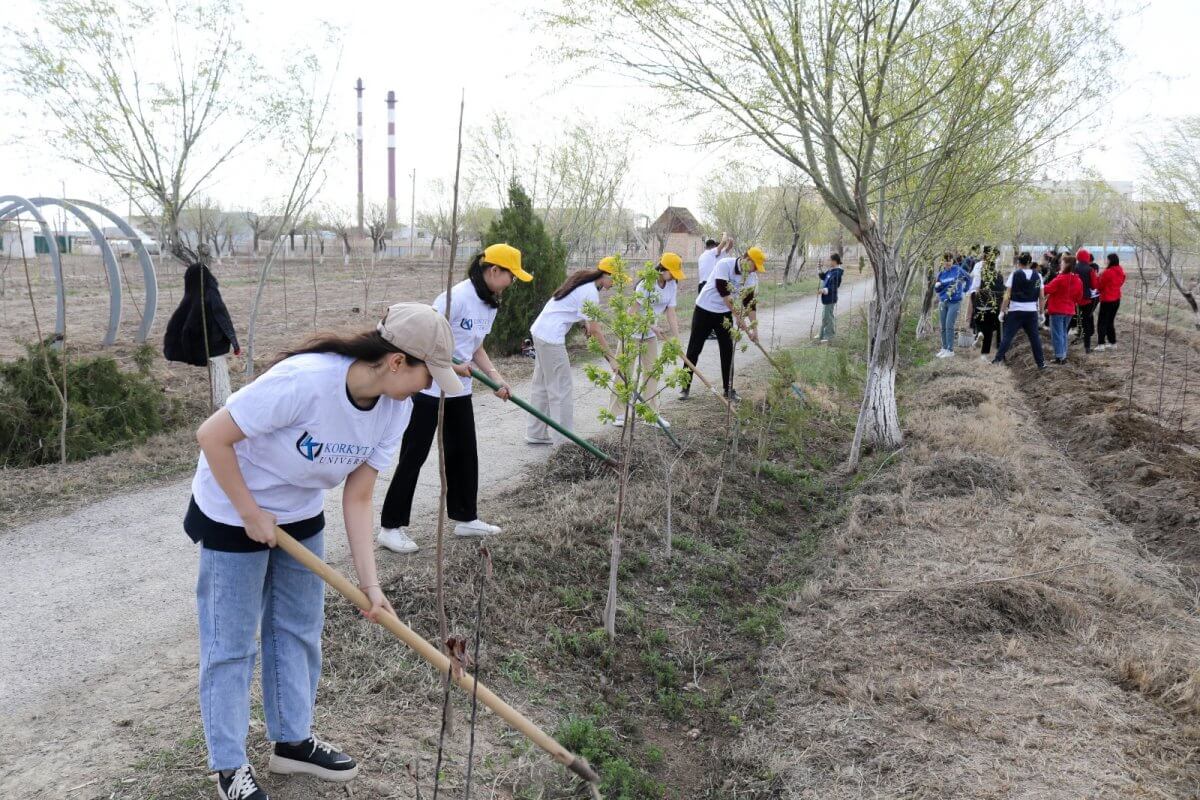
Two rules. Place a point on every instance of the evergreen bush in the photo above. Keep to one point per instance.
(541, 254)
(106, 408)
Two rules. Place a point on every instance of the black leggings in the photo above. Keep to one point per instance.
(1087, 322)
(1108, 318)
(1027, 321)
(703, 323)
(987, 323)
(462, 460)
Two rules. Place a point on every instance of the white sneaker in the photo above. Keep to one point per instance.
(949, 354)
(619, 422)
(941, 353)
(985, 358)
(533, 440)
(396, 540)
(475, 527)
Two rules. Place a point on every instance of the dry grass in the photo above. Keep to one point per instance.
(1074, 683)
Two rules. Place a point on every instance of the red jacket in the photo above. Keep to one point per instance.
(1063, 293)
(1111, 280)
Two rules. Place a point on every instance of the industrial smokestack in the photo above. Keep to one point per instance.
(358, 134)
(391, 104)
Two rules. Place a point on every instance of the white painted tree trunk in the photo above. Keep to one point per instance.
(218, 373)
(878, 418)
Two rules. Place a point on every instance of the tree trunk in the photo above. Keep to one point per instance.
(787, 265)
(923, 324)
(218, 371)
(878, 418)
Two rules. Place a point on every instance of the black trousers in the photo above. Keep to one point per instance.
(1108, 319)
(1026, 321)
(703, 323)
(462, 460)
(988, 324)
(1087, 322)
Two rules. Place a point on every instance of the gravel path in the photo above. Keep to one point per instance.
(97, 616)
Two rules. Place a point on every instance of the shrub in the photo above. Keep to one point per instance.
(106, 408)
(541, 255)
(620, 780)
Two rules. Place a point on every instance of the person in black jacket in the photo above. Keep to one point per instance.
(200, 328)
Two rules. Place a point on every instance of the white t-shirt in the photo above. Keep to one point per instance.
(558, 316)
(660, 298)
(1013, 305)
(303, 436)
(705, 264)
(725, 270)
(470, 321)
(976, 277)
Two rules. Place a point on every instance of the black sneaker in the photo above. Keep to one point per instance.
(312, 757)
(732, 396)
(685, 394)
(241, 785)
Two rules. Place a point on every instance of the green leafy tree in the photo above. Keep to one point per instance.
(629, 321)
(542, 255)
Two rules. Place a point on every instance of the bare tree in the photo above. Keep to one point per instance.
(740, 200)
(1162, 230)
(377, 226)
(805, 223)
(902, 113)
(98, 67)
(304, 147)
(259, 226)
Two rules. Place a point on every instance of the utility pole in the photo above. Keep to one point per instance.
(412, 214)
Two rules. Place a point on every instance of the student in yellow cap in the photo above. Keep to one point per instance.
(661, 296)
(473, 307)
(552, 392)
(733, 280)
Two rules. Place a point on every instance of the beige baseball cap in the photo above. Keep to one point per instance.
(423, 333)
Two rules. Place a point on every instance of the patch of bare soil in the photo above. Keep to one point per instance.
(1009, 638)
(1137, 447)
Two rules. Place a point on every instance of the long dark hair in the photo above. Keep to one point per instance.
(475, 275)
(577, 279)
(369, 346)
(1114, 260)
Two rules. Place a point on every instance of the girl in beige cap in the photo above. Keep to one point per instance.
(330, 411)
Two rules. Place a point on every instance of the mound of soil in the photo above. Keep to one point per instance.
(1142, 458)
(962, 474)
(1009, 608)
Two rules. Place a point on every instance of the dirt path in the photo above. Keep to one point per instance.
(113, 582)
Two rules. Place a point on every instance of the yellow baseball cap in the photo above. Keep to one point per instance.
(607, 264)
(756, 255)
(507, 257)
(673, 264)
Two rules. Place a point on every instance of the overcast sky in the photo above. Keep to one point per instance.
(428, 51)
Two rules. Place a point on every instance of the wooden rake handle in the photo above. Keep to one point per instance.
(704, 380)
(437, 659)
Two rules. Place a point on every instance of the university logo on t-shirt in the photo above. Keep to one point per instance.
(468, 324)
(308, 447)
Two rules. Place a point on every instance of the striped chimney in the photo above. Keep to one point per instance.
(358, 135)
(391, 104)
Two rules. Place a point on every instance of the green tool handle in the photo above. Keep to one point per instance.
(574, 437)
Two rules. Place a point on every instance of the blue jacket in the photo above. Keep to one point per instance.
(831, 280)
(952, 283)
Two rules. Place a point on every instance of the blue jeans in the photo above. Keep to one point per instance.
(235, 594)
(948, 315)
(1058, 333)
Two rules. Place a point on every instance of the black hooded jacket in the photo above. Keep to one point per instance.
(184, 339)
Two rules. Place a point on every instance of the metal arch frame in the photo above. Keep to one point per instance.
(110, 261)
(19, 204)
(149, 275)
